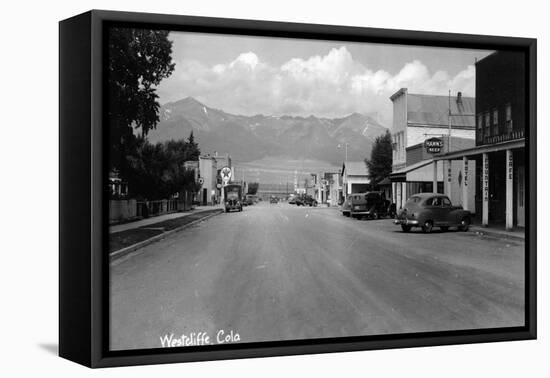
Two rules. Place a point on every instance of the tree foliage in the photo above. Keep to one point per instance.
(380, 163)
(157, 171)
(138, 60)
(253, 188)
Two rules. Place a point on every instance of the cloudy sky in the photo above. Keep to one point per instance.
(251, 75)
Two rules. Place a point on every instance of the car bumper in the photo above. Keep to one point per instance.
(362, 212)
(406, 222)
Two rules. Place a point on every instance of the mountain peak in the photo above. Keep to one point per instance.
(190, 100)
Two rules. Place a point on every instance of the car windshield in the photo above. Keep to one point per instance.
(233, 195)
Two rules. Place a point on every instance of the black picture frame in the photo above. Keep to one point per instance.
(83, 265)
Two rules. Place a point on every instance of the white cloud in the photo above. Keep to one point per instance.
(247, 60)
(331, 85)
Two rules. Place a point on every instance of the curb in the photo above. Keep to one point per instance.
(488, 232)
(127, 250)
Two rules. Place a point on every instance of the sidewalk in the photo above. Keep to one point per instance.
(498, 232)
(124, 239)
(158, 219)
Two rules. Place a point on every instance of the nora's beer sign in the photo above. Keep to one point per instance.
(433, 145)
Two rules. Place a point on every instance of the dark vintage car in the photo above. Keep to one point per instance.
(428, 210)
(233, 197)
(306, 200)
(273, 199)
(371, 205)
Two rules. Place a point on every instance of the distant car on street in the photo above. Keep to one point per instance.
(371, 205)
(273, 199)
(249, 200)
(346, 207)
(306, 200)
(428, 210)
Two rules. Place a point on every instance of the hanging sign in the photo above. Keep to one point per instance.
(433, 145)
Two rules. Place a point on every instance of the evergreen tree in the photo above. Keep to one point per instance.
(380, 163)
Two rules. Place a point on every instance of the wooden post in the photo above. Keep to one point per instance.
(485, 178)
(449, 179)
(465, 183)
(509, 189)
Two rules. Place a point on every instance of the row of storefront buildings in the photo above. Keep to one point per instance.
(471, 149)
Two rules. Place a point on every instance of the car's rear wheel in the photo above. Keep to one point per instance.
(427, 227)
(444, 228)
(464, 224)
(405, 228)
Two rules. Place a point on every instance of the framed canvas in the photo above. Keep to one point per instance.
(234, 188)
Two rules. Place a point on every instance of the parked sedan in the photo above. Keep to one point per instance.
(428, 210)
(370, 205)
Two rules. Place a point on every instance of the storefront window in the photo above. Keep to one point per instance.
(509, 126)
(479, 132)
(495, 122)
(487, 124)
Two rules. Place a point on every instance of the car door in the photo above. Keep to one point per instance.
(436, 210)
(446, 212)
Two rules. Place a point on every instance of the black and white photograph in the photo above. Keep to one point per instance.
(275, 189)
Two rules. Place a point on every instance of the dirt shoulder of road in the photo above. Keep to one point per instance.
(125, 239)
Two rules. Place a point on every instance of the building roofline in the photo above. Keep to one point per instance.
(400, 92)
(434, 95)
(485, 57)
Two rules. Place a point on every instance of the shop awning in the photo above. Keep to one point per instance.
(417, 172)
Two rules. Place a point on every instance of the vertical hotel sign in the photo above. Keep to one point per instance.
(510, 166)
(486, 179)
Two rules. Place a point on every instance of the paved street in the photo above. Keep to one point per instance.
(279, 272)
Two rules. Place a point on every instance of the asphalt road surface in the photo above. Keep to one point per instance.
(280, 272)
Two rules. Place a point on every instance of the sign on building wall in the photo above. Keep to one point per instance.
(466, 173)
(433, 145)
(510, 166)
(486, 179)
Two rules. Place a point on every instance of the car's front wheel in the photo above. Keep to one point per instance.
(405, 228)
(427, 227)
(464, 224)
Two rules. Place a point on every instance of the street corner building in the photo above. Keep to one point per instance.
(499, 152)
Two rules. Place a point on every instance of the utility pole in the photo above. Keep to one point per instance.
(450, 124)
(347, 144)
